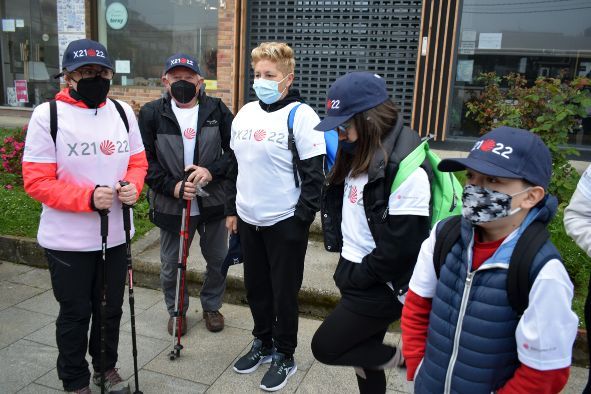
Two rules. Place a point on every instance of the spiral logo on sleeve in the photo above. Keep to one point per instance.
(107, 147)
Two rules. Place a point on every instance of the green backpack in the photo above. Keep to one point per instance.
(446, 190)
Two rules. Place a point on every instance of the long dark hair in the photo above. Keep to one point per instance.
(371, 125)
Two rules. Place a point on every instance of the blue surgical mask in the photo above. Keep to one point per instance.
(348, 147)
(267, 90)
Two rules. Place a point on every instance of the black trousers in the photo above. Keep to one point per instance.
(273, 272)
(76, 282)
(351, 339)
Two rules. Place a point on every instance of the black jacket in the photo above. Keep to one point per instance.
(311, 172)
(398, 238)
(163, 142)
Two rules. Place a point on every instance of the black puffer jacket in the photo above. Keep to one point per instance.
(398, 238)
(163, 142)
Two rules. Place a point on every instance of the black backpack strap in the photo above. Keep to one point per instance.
(121, 113)
(291, 144)
(53, 120)
(448, 233)
(518, 280)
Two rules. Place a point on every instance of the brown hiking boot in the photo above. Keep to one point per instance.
(183, 325)
(214, 320)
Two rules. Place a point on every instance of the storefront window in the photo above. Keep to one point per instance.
(28, 51)
(531, 37)
(141, 34)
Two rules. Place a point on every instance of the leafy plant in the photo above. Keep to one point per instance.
(550, 108)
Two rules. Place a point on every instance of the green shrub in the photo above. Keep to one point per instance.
(550, 108)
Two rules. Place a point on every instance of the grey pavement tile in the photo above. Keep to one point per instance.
(17, 323)
(9, 270)
(232, 382)
(14, 293)
(156, 383)
(42, 303)
(35, 388)
(152, 322)
(35, 277)
(205, 354)
(148, 349)
(44, 335)
(396, 381)
(143, 299)
(50, 379)
(328, 379)
(237, 316)
(22, 363)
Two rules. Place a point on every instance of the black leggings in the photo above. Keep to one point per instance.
(350, 339)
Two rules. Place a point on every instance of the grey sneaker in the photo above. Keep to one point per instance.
(84, 390)
(256, 356)
(281, 369)
(114, 384)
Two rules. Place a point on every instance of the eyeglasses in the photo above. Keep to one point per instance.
(86, 73)
(342, 128)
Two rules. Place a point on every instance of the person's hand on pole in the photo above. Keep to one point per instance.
(200, 175)
(127, 194)
(189, 192)
(102, 198)
(232, 224)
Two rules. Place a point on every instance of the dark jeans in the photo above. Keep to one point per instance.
(76, 282)
(273, 273)
(350, 339)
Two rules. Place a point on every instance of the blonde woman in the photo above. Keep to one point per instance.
(278, 184)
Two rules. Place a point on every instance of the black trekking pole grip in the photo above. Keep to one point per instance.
(185, 180)
(126, 207)
(104, 222)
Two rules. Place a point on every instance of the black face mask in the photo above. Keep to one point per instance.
(348, 147)
(93, 91)
(183, 91)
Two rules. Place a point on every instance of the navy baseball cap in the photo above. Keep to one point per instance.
(234, 255)
(350, 94)
(182, 60)
(82, 52)
(507, 152)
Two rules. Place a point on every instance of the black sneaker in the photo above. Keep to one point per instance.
(256, 356)
(114, 384)
(281, 369)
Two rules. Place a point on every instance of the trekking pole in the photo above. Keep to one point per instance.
(180, 277)
(104, 214)
(127, 228)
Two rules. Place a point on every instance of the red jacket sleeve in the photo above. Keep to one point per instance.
(528, 380)
(41, 183)
(415, 322)
(136, 170)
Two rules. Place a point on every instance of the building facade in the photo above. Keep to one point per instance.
(429, 51)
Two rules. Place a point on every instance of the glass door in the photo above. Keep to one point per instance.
(28, 52)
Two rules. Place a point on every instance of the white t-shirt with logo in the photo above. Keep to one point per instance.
(92, 148)
(187, 118)
(265, 188)
(410, 198)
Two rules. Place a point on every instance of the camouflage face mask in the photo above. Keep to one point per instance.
(482, 205)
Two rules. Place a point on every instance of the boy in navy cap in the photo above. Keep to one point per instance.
(460, 331)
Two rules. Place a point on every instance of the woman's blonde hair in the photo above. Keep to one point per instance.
(277, 52)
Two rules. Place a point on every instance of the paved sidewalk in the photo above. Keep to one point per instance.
(28, 351)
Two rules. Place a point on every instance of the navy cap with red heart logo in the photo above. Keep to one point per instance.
(507, 152)
(182, 60)
(350, 94)
(83, 52)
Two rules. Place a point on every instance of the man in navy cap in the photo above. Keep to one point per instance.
(460, 329)
(188, 121)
